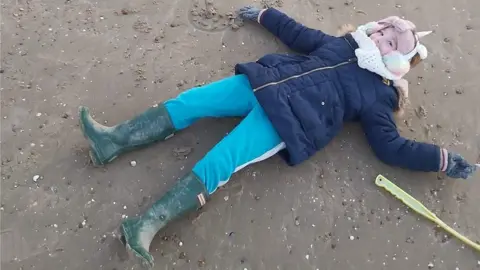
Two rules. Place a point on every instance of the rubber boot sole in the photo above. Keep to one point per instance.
(124, 235)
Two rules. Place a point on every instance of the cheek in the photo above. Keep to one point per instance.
(384, 49)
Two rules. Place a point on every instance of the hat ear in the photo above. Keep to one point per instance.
(424, 33)
(389, 20)
(371, 27)
(398, 23)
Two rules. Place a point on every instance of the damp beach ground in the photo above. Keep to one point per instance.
(119, 57)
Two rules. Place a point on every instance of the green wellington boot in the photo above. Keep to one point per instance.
(188, 194)
(107, 143)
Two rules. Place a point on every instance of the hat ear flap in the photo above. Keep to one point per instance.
(395, 62)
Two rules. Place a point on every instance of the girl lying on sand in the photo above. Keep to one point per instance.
(293, 105)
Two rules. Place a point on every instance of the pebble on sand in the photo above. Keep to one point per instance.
(430, 265)
(133, 163)
(352, 237)
(36, 177)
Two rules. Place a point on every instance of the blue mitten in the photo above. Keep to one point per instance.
(458, 167)
(249, 13)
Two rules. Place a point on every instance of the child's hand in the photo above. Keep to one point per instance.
(249, 13)
(458, 167)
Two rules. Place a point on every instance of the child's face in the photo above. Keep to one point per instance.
(388, 40)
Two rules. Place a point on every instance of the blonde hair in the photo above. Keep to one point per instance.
(402, 89)
(416, 59)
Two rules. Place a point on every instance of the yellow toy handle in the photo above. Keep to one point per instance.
(381, 181)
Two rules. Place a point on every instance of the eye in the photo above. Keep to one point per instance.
(381, 32)
(390, 43)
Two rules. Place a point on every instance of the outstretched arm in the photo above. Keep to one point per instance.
(293, 34)
(391, 148)
(384, 139)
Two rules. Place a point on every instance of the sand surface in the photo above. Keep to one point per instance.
(119, 57)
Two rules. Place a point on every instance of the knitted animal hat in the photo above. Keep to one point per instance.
(408, 43)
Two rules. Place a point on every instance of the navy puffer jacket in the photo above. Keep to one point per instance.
(308, 97)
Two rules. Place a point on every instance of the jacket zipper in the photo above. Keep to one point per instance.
(303, 74)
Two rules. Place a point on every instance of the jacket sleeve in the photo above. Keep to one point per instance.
(295, 35)
(383, 137)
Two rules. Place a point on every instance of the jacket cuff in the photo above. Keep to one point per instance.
(260, 15)
(443, 159)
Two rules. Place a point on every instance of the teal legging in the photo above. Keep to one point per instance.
(253, 140)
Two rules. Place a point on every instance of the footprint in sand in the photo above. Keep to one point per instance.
(204, 15)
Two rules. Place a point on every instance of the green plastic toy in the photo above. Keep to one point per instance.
(381, 181)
